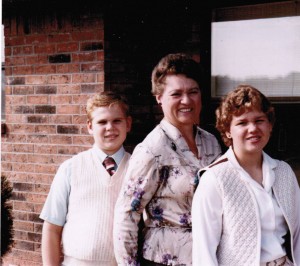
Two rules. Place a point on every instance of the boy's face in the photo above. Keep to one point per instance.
(109, 128)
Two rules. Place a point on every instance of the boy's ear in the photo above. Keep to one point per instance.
(128, 123)
(89, 127)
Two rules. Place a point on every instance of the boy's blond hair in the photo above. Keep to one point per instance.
(106, 98)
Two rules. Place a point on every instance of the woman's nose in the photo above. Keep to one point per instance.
(185, 98)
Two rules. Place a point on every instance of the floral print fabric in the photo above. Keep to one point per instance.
(160, 184)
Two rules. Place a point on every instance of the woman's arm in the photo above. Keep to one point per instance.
(139, 186)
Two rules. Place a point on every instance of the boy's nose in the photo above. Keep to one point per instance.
(109, 125)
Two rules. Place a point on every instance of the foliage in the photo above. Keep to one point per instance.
(7, 232)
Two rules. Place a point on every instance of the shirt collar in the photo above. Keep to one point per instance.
(118, 156)
(268, 168)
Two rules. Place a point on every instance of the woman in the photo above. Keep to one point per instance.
(246, 210)
(162, 173)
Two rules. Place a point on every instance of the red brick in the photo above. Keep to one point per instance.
(68, 89)
(68, 109)
(64, 37)
(45, 149)
(37, 59)
(36, 198)
(39, 178)
(27, 148)
(67, 47)
(23, 70)
(60, 139)
(35, 39)
(83, 140)
(23, 167)
(45, 49)
(61, 99)
(37, 139)
(45, 129)
(46, 69)
(45, 168)
(59, 79)
(68, 68)
(84, 56)
(60, 119)
(84, 78)
(23, 206)
(36, 80)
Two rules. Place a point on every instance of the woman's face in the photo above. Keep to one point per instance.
(250, 132)
(180, 101)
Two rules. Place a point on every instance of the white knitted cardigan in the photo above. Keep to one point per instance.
(241, 234)
(87, 234)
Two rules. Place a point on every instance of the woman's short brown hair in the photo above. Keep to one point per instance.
(174, 64)
(241, 99)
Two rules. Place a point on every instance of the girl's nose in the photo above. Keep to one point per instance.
(252, 126)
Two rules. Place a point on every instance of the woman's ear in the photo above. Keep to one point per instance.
(158, 99)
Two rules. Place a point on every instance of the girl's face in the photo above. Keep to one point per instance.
(250, 132)
(180, 101)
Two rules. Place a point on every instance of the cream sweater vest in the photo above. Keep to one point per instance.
(240, 241)
(88, 232)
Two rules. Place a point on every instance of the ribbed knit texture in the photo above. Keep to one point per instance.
(88, 231)
(240, 242)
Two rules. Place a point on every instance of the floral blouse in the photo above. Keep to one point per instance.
(160, 183)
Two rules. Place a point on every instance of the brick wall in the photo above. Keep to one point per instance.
(53, 63)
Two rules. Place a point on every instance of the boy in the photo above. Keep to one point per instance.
(78, 211)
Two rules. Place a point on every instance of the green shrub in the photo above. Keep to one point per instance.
(7, 232)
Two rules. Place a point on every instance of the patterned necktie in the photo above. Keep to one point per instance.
(110, 164)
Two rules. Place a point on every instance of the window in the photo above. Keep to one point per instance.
(257, 45)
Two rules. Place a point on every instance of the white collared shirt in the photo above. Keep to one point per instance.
(208, 196)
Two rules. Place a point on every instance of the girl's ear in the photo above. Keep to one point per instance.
(89, 127)
(228, 135)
